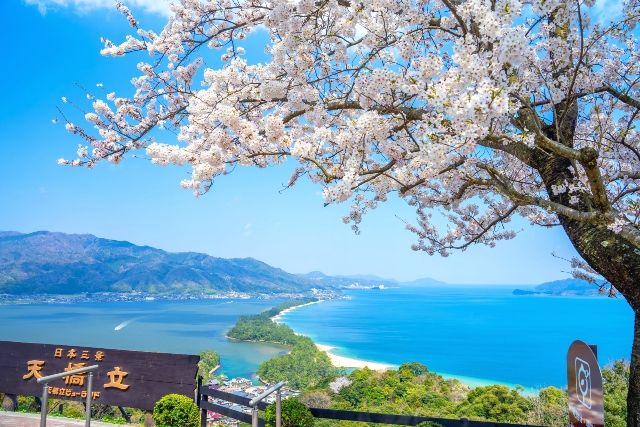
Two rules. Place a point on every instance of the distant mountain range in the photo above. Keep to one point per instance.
(345, 281)
(57, 263)
(565, 287)
(368, 280)
(46, 262)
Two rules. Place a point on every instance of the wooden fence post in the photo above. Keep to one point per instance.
(203, 418)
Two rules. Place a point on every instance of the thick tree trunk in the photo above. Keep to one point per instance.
(615, 258)
(633, 398)
(619, 263)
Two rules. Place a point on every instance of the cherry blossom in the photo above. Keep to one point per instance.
(472, 111)
(436, 101)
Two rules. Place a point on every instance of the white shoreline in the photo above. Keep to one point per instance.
(336, 360)
(349, 362)
(277, 317)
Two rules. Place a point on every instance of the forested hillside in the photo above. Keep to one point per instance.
(58, 263)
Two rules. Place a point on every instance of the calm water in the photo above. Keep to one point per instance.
(481, 333)
(475, 333)
(164, 326)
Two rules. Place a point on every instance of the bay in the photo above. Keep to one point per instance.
(480, 334)
(185, 326)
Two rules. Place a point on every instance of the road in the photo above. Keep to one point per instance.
(15, 419)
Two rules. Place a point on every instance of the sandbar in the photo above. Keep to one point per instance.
(348, 362)
(337, 361)
(277, 317)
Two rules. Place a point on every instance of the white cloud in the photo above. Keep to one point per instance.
(160, 7)
(247, 230)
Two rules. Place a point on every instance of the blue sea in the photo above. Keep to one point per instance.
(186, 327)
(481, 335)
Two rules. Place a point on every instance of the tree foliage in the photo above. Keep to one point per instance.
(615, 380)
(411, 389)
(277, 309)
(495, 403)
(294, 414)
(208, 361)
(303, 367)
(260, 327)
(550, 408)
(176, 410)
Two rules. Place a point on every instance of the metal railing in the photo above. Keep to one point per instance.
(404, 420)
(224, 409)
(230, 405)
(45, 391)
(254, 404)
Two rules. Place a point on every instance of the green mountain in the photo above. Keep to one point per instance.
(58, 263)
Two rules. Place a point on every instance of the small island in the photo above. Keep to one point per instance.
(564, 287)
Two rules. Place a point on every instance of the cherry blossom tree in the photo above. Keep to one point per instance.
(470, 110)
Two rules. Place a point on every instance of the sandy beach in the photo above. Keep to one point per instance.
(277, 317)
(338, 361)
(348, 362)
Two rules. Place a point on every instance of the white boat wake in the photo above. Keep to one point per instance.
(127, 323)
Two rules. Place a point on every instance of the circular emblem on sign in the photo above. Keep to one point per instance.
(584, 381)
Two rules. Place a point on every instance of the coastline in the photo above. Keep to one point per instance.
(337, 360)
(278, 317)
(349, 362)
(471, 382)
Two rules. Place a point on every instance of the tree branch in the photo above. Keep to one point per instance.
(623, 97)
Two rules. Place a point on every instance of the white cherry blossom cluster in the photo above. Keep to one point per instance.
(447, 104)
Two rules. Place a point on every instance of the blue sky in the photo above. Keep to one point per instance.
(50, 45)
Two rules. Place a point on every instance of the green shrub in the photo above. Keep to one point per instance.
(137, 415)
(72, 409)
(294, 414)
(27, 404)
(113, 420)
(208, 361)
(550, 408)
(615, 379)
(176, 410)
(495, 403)
(303, 368)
